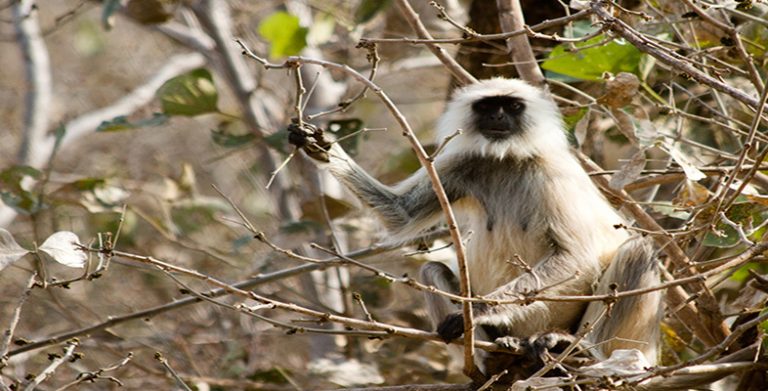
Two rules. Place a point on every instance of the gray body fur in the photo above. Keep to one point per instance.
(526, 196)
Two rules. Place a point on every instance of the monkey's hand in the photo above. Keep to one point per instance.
(311, 139)
(451, 327)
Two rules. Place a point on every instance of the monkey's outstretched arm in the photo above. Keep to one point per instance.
(405, 209)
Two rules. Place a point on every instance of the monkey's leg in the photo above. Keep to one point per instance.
(633, 322)
(441, 277)
(438, 306)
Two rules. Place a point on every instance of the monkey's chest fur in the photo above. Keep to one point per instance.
(530, 210)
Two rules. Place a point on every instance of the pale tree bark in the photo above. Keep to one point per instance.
(37, 67)
(511, 19)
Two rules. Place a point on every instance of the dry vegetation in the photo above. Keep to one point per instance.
(216, 258)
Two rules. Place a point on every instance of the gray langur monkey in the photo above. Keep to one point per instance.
(519, 189)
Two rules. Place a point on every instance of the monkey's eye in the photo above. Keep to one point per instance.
(485, 106)
(497, 104)
(514, 107)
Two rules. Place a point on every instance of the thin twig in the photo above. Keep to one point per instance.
(737, 227)
(99, 374)
(162, 308)
(171, 371)
(374, 59)
(710, 353)
(359, 299)
(487, 37)
(69, 352)
(733, 34)
(444, 142)
(8, 333)
(282, 165)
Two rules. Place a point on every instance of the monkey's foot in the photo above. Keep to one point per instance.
(554, 342)
(511, 343)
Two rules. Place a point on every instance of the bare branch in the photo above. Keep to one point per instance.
(8, 333)
(461, 74)
(172, 372)
(511, 19)
(487, 37)
(69, 352)
(39, 79)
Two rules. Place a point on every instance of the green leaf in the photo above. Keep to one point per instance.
(746, 214)
(742, 274)
(222, 136)
(272, 376)
(278, 140)
(121, 123)
(190, 94)
(757, 36)
(14, 194)
(87, 184)
(301, 226)
(726, 237)
(590, 64)
(58, 135)
(192, 215)
(368, 9)
(285, 36)
(572, 119)
(11, 177)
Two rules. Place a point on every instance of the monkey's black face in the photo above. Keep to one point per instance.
(498, 117)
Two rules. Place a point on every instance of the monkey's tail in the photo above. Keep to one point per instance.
(631, 322)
